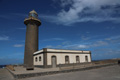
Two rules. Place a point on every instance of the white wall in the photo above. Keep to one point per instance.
(38, 62)
(72, 58)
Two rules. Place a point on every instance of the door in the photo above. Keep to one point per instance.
(53, 61)
(77, 59)
(86, 58)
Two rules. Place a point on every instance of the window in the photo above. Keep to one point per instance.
(40, 58)
(36, 59)
(77, 59)
(66, 59)
(86, 58)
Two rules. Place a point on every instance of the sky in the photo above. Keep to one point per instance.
(66, 24)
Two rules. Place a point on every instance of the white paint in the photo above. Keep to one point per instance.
(38, 62)
(60, 57)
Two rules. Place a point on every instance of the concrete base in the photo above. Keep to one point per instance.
(20, 72)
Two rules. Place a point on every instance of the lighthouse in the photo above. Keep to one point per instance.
(31, 43)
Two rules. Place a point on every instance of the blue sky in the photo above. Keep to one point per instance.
(66, 24)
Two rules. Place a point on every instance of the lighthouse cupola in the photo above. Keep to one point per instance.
(33, 13)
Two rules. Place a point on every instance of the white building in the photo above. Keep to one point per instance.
(53, 57)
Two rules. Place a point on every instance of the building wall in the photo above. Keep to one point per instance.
(60, 57)
(38, 62)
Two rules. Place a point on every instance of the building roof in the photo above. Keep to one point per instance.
(33, 11)
(61, 51)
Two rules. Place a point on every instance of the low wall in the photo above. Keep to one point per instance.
(20, 76)
(11, 67)
(70, 68)
(89, 64)
(82, 64)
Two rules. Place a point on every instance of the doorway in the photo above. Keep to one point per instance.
(53, 61)
(86, 58)
(77, 59)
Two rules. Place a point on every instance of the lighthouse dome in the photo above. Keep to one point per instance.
(33, 13)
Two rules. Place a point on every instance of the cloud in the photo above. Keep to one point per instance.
(87, 45)
(56, 47)
(111, 27)
(18, 45)
(49, 46)
(54, 39)
(89, 10)
(114, 40)
(82, 46)
(101, 48)
(66, 2)
(99, 43)
(85, 38)
(4, 38)
(92, 43)
(74, 11)
(113, 52)
(76, 46)
(22, 28)
(73, 46)
(113, 37)
(105, 53)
